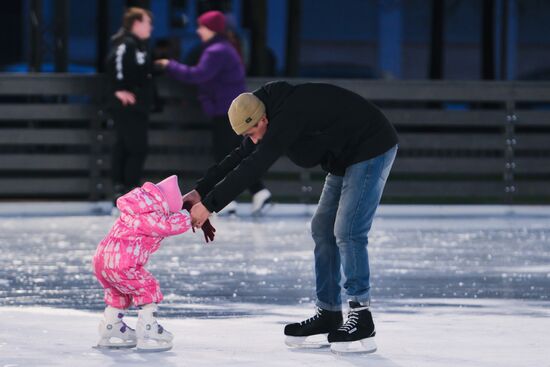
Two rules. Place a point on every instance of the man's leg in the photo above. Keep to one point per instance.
(328, 317)
(361, 192)
(362, 188)
(327, 256)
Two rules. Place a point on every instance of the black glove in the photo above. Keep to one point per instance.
(208, 231)
(207, 227)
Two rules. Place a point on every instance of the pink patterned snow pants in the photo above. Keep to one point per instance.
(120, 269)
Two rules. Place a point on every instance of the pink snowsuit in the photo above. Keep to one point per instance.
(121, 256)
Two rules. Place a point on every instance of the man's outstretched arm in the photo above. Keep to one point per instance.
(218, 171)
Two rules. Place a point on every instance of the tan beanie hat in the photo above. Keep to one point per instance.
(245, 112)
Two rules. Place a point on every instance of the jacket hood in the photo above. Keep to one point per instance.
(274, 95)
(143, 200)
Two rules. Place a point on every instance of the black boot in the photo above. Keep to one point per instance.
(358, 327)
(323, 322)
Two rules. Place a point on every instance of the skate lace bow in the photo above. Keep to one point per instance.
(318, 313)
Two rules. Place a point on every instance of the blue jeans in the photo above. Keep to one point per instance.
(340, 228)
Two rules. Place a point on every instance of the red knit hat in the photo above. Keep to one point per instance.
(213, 20)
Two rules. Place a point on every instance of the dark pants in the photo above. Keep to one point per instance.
(225, 140)
(130, 148)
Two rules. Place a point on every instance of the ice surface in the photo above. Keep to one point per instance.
(414, 253)
(484, 333)
(467, 286)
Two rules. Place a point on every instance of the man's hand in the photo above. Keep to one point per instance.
(199, 215)
(162, 63)
(189, 200)
(125, 97)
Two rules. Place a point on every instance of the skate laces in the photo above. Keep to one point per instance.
(125, 327)
(318, 313)
(120, 324)
(353, 318)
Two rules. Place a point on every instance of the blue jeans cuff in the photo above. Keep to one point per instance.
(326, 306)
(364, 298)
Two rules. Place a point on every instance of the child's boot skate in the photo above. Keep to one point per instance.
(151, 337)
(359, 327)
(317, 327)
(113, 332)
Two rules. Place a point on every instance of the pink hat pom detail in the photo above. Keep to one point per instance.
(171, 190)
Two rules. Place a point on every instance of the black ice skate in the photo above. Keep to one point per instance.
(359, 327)
(319, 325)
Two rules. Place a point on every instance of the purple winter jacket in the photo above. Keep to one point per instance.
(219, 75)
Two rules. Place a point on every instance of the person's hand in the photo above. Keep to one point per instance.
(162, 63)
(189, 200)
(199, 215)
(125, 97)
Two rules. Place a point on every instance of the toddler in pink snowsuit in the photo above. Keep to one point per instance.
(147, 215)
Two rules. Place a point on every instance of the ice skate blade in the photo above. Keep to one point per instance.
(153, 350)
(114, 347)
(364, 346)
(153, 347)
(119, 344)
(302, 342)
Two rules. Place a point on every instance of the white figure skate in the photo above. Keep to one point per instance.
(230, 209)
(261, 202)
(151, 336)
(113, 332)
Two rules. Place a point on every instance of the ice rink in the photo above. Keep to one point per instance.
(451, 286)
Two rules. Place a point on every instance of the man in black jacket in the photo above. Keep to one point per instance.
(130, 95)
(352, 140)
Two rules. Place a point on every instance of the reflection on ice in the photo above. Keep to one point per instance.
(46, 261)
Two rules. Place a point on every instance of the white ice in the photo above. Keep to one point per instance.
(479, 333)
(452, 286)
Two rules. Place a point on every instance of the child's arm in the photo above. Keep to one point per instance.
(171, 225)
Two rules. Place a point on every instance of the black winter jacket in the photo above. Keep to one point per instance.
(129, 67)
(312, 124)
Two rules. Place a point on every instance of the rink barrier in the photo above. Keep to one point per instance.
(460, 142)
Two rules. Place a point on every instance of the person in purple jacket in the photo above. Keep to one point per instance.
(220, 77)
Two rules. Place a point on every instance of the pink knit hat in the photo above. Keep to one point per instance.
(213, 20)
(171, 190)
